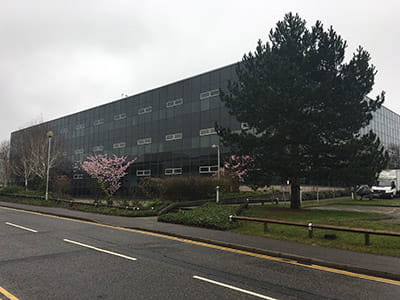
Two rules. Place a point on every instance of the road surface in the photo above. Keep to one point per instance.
(48, 257)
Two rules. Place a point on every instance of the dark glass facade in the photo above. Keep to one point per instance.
(169, 130)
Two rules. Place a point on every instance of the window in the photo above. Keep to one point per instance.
(143, 173)
(144, 141)
(119, 145)
(214, 93)
(244, 126)
(98, 122)
(79, 151)
(173, 171)
(173, 136)
(207, 131)
(209, 94)
(208, 169)
(98, 148)
(175, 102)
(78, 176)
(80, 126)
(145, 110)
(120, 117)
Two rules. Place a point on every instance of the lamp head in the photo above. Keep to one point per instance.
(50, 134)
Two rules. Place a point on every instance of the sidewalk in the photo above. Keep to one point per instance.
(374, 265)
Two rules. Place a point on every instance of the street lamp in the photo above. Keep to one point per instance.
(218, 157)
(49, 135)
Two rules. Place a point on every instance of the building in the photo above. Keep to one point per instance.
(170, 130)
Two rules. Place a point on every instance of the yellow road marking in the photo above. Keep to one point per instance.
(203, 244)
(7, 294)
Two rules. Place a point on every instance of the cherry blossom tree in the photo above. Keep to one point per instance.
(243, 169)
(108, 171)
(237, 167)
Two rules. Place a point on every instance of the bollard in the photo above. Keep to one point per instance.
(265, 227)
(217, 194)
(310, 230)
(367, 239)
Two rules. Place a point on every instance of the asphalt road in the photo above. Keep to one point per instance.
(44, 257)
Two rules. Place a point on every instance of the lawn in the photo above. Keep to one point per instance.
(349, 241)
(374, 202)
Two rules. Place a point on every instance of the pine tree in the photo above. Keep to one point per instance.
(303, 103)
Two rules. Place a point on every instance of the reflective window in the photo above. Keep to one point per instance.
(173, 136)
(145, 110)
(120, 117)
(173, 171)
(143, 173)
(119, 145)
(144, 141)
(207, 131)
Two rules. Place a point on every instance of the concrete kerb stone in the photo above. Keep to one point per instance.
(297, 258)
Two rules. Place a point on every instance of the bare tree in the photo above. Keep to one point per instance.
(5, 165)
(21, 158)
(30, 153)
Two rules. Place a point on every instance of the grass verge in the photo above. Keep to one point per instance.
(209, 215)
(345, 201)
(345, 240)
(86, 208)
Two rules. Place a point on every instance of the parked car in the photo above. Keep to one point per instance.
(364, 191)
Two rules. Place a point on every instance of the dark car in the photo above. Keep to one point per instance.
(363, 191)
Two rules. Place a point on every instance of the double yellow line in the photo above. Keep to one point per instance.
(227, 249)
(7, 294)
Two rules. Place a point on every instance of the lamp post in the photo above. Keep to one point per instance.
(49, 135)
(219, 159)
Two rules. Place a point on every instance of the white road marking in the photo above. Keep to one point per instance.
(21, 227)
(100, 250)
(234, 288)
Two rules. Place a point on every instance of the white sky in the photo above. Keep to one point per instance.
(60, 57)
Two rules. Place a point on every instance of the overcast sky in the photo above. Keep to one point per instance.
(60, 57)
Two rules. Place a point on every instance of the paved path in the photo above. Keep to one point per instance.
(353, 260)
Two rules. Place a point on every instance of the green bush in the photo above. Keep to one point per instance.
(209, 215)
(185, 188)
(13, 189)
(20, 190)
(151, 187)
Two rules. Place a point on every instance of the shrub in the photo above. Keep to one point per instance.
(185, 188)
(13, 189)
(151, 187)
(209, 215)
(62, 185)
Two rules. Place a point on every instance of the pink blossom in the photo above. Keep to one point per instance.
(237, 166)
(107, 171)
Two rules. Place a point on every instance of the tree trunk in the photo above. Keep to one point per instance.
(295, 193)
(26, 184)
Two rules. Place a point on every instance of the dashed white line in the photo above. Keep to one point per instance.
(234, 288)
(21, 227)
(100, 250)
